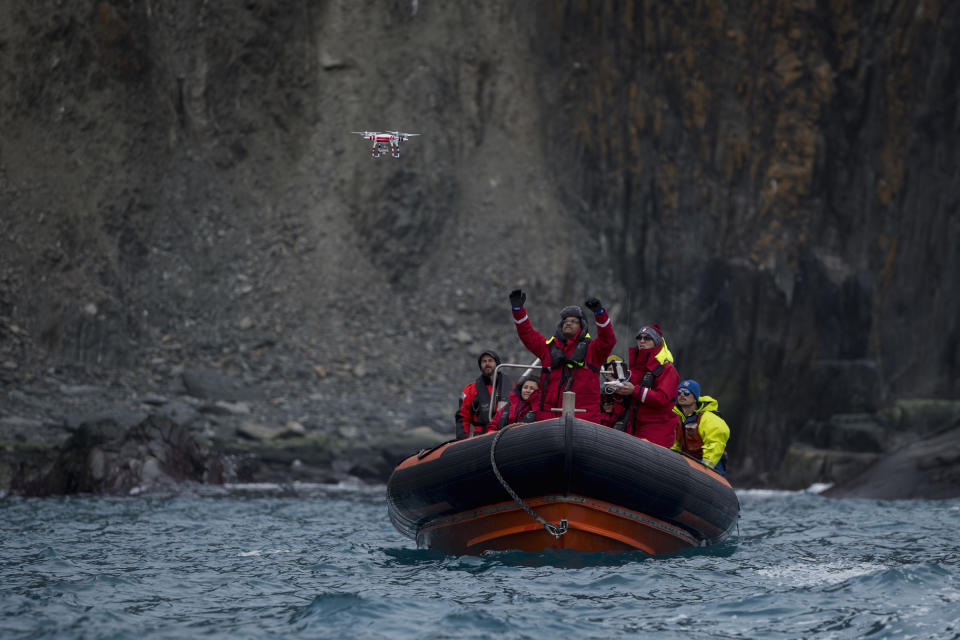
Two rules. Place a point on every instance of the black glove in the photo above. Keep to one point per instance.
(517, 298)
(594, 305)
(648, 380)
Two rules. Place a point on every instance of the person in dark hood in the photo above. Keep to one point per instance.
(473, 414)
(571, 358)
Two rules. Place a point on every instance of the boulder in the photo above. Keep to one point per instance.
(210, 384)
(922, 460)
(929, 468)
(857, 432)
(105, 457)
(804, 466)
(255, 431)
(910, 449)
(119, 416)
(178, 411)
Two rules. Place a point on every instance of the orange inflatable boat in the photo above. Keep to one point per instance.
(563, 483)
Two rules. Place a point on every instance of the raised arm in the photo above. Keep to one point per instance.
(532, 339)
(603, 344)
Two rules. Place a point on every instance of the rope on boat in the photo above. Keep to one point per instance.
(556, 530)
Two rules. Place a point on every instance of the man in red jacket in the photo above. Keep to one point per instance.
(473, 414)
(571, 359)
(652, 389)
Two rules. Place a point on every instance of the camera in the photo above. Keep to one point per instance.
(616, 370)
(611, 386)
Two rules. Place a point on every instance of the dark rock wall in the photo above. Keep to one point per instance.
(775, 182)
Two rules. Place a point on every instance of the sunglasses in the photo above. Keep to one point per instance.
(644, 338)
(684, 392)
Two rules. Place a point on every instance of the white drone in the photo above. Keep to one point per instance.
(384, 141)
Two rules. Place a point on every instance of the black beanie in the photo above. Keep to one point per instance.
(491, 353)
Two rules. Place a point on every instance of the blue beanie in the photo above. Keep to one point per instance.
(693, 387)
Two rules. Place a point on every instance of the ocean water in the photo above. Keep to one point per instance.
(324, 562)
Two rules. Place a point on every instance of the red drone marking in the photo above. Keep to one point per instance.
(384, 141)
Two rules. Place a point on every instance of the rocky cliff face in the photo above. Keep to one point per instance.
(775, 183)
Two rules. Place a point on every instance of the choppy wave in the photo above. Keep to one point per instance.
(315, 561)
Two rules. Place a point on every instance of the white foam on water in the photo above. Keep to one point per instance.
(808, 575)
(260, 552)
(766, 493)
(818, 487)
(252, 486)
(350, 484)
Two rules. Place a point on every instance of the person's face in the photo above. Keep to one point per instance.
(685, 398)
(527, 389)
(570, 326)
(645, 342)
(487, 365)
(606, 403)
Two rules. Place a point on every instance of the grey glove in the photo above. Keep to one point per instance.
(648, 380)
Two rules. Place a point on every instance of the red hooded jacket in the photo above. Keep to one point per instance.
(586, 380)
(515, 411)
(651, 409)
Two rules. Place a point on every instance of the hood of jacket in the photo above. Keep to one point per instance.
(643, 357)
(705, 404)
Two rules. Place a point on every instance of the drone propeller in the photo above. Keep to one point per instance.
(365, 134)
(403, 137)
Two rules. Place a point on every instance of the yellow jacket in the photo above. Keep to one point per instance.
(711, 435)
